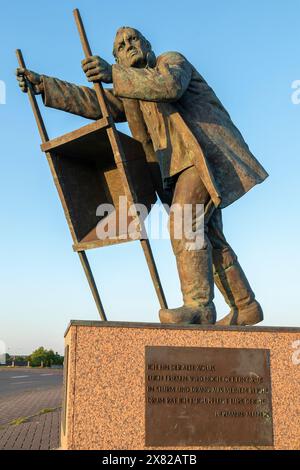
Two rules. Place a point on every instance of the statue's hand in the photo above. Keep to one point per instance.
(24, 76)
(97, 69)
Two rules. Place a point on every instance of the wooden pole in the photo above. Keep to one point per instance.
(120, 159)
(92, 284)
(33, 102)
(154, 273)
(44, 136)
(87, 52)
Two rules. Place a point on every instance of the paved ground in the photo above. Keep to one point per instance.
(16, 380)
(30, 393)
(39, 433)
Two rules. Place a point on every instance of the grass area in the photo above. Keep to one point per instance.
(18, 421)
(47, 410)
(25, 419)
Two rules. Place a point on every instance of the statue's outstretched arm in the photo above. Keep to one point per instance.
(79, 100)
(69, 97)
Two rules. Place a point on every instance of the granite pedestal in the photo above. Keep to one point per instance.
(133, 385)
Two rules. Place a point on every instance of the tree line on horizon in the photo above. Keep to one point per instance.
(46, 357)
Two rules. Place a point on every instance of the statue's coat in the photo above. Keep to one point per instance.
(171, 108)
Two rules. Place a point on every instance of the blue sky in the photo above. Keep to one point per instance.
(247, 53)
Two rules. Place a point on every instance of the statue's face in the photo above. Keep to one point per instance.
(130, 49)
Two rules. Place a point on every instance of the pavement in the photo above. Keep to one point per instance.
(33, 397)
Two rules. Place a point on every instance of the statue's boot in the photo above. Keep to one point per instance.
(195, 271)
(234, 286)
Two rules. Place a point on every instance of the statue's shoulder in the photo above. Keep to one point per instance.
(171, 57)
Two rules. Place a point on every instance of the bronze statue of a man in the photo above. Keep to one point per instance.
(203, 159)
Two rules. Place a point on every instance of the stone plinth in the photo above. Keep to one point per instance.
(105, 389)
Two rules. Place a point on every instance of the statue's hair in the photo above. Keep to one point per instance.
(137, 32)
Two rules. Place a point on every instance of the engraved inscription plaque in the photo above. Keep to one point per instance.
(208, 396)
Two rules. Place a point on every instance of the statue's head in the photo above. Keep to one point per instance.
(132, 49)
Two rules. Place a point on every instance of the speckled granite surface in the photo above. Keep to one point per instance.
(106, 378)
